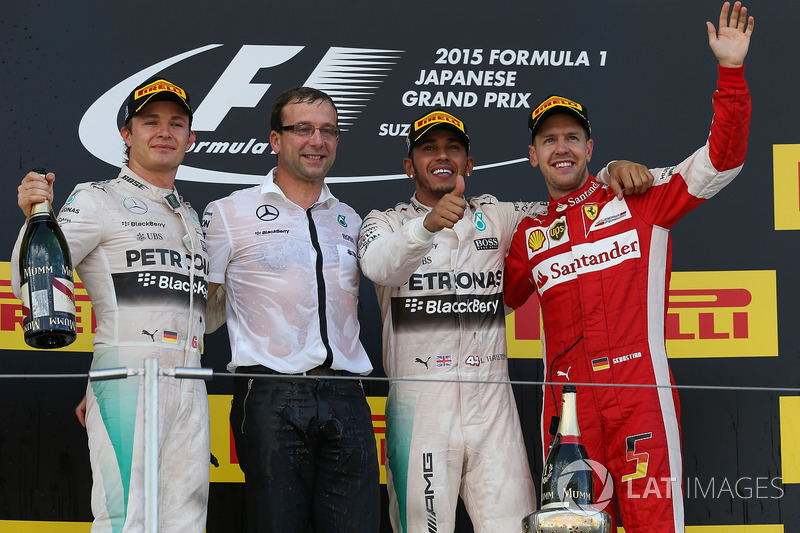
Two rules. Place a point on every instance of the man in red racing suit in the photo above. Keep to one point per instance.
(601, 268)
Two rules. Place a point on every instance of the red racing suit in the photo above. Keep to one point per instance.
(601, 268)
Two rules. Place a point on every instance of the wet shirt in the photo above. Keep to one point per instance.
(291, 278)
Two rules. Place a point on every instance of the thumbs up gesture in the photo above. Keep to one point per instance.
(448, 210)
(460, 186)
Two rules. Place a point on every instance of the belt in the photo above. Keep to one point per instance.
(317, 371)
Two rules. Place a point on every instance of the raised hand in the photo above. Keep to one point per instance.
(731, 42)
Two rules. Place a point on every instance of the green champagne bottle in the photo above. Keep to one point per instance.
(48, 291)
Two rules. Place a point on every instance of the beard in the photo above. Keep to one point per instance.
(436, 189)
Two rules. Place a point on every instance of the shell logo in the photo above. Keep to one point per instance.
(536, 240)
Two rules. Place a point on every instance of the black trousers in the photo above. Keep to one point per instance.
(307, 450)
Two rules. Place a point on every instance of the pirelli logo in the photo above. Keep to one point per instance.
(786, 176)
(377, 405)
(158, 86)
(524, 330)
(710, 314)
(790, 438)
(224, 449)
(11, 316)
(723, 314)
(556, 100)
(438, 116)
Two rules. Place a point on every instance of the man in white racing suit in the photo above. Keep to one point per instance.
(437, 265)
(139, 251)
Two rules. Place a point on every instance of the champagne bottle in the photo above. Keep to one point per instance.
(567, 474)
(48, 292)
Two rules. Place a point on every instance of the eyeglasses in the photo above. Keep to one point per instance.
(328, 133)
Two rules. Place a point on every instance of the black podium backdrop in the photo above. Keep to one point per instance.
(644, 71)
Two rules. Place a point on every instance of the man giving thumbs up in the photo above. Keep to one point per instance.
(452, 426)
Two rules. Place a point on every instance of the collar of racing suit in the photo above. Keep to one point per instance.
(590, 189)
(419, 207)
(147, 189)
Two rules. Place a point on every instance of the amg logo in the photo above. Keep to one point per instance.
(489, 243)
(427, 475)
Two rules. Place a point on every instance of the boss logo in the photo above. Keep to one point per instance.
(489, 243)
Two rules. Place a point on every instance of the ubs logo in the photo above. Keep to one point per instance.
(135, 205)
(267, 212)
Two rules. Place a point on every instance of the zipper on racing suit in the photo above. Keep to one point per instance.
(554, 421)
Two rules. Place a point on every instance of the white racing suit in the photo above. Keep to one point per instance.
(139, 251)
(441, 301)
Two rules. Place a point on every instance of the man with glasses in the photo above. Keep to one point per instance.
(285, 252)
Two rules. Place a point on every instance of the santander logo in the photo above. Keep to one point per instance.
(586, 257)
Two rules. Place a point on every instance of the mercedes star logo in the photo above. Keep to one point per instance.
(135, 205)
(267, 212)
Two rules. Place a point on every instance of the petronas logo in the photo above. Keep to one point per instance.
(480, 225)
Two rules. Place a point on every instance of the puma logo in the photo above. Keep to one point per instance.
(564, 374)
(151, 335)
(425, 362)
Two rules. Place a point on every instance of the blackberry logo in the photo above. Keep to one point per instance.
(414, 305)
(147, 279)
